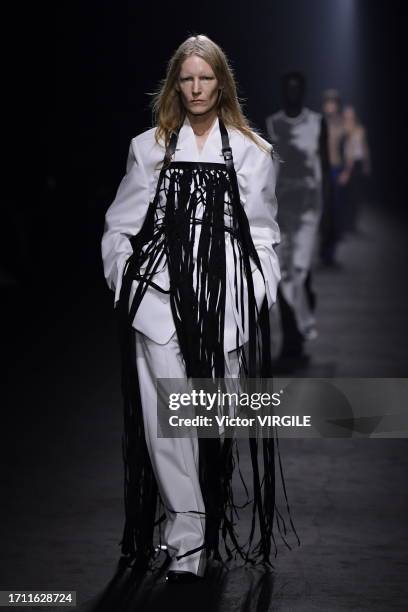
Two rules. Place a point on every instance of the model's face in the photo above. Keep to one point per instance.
(349, 115)
(330, 108)
(198, 86)
(349, 119)
(293, 92)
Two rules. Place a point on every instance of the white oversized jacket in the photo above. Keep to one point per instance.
(124, 218)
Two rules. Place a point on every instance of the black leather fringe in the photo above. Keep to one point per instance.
(191, 199)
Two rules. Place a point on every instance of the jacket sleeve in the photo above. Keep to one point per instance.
(258, 197)
(124, 218)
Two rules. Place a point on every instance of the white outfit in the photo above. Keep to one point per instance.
(124, 218)
(175, 460)
(299, 191)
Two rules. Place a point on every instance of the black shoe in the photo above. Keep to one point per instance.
(177, 577)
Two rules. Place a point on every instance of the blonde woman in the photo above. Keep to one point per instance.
(188, 251)
(357, 166)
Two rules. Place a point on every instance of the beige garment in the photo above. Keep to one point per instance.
(335, 133)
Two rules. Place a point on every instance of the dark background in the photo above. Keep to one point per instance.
(79, 80)
(76, 78)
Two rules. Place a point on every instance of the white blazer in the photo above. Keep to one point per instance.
(125, 216)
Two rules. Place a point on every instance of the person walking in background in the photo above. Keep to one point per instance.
(357, 167)
(300, 137)
(333, 214)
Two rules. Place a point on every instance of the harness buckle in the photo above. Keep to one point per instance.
(227, 153)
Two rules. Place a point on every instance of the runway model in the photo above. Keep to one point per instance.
(188, 251)
(334, 211)
(301, 141)
(357, 167)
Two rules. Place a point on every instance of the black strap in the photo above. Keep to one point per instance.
(229, 162)
(137, 240)
(226, 149)
(249, 251)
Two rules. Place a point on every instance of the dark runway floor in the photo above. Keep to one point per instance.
(61, 507)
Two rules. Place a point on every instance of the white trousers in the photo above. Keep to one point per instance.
(300, 212)
(174, 460)
(294, 291)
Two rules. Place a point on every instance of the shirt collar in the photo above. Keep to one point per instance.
(187, 134)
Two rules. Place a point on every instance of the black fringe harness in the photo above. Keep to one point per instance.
(195, 206)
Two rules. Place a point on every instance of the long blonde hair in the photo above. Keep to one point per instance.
(168, 110)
